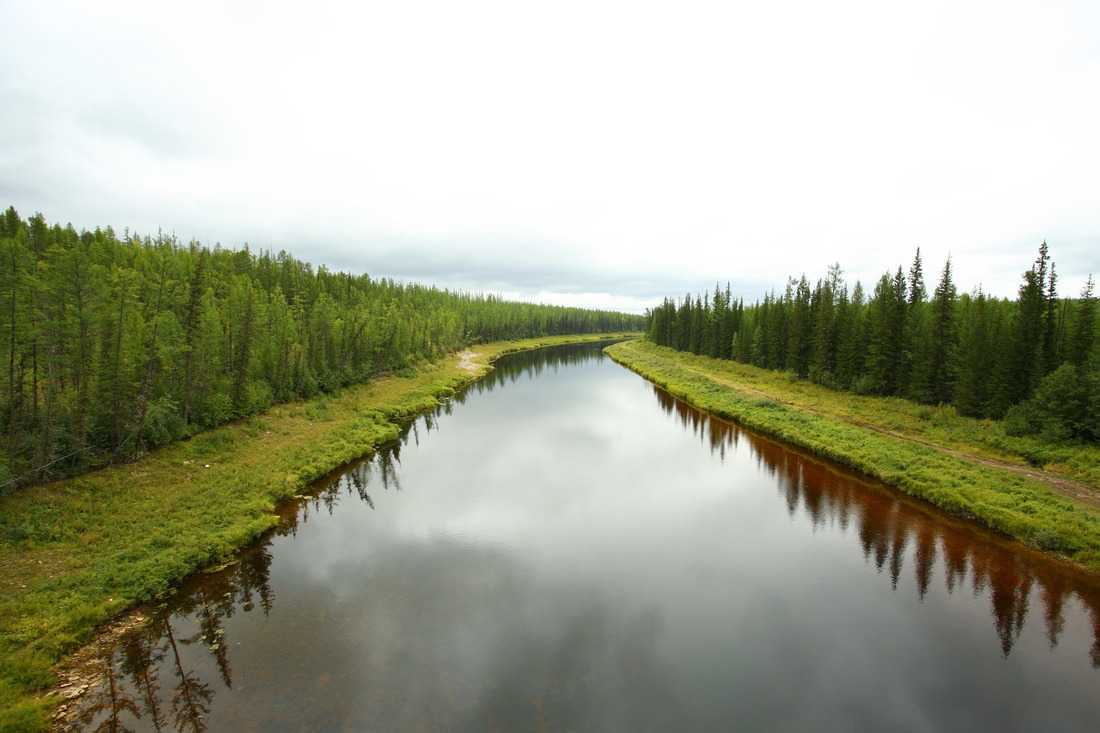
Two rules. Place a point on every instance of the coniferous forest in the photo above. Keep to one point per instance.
(110, 345)
(1033, 361)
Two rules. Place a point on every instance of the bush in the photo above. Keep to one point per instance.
(1020, 420)
(861, 385)
(217, 411)
(163, 422)
(1063, 407)
(1047, 539)
(825, 378)
(259, 395)
(946, 415)
(212, 442)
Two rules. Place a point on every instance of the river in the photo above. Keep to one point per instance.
(562, 546)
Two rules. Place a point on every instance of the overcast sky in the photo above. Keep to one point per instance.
(600, 153)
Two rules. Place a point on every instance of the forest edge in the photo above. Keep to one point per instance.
(103, 543)
(697, 380)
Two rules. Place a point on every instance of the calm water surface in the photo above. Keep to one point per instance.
(565, 547)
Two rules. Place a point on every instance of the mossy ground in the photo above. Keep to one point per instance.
(75, 553)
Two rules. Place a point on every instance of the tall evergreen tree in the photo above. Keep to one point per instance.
(887, 322)
(914, 339)
(852, 340)
(830, 317)
(1079, 347)
(972, 385)
(1033, 333)
(1051, 331)
(799, 341)
(937, 373)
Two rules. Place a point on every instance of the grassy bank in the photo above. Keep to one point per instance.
(896, 441)
(76, 553)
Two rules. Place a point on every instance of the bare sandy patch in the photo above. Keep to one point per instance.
(466, 361)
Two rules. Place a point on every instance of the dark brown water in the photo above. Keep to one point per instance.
(564, 547)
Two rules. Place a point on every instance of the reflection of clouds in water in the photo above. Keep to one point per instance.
(467, 633)
(618, 589)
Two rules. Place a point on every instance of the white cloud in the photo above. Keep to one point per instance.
(574, 148)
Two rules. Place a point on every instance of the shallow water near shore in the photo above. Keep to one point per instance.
(563, 546)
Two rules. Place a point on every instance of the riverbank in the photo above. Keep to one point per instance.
(964, 466)
(76, 553)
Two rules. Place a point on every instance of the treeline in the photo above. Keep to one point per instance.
(112, 345)
(1033, 360)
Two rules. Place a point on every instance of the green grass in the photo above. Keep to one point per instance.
(75, 553)
(842, 427)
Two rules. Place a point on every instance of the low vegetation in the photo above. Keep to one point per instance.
(75, 553)
(926, 451)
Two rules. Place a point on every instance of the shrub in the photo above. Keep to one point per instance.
(260, 396)
(861, 385)
(1047, 540)
(212, 442)
(216, 411)
(1020, 420)
(163, 422)
(1063, 407)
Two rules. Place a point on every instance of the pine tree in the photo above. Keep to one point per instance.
(852, 340)
(1050, 323)
(1033, 333)
(1079, 347)
(915, 338)
(937, 374)
(887, 322)
(829, 306)
(971, 387)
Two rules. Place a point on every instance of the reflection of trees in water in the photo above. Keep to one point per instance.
(382, 466)
(192, 696)
(530, 364)
(890, 532)
(141, 662)
(140, 667)
(109, 704)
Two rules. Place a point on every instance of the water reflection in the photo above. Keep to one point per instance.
(454, 615)
(148, 678)
(891, 527)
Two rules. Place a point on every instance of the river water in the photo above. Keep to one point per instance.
(565, 547)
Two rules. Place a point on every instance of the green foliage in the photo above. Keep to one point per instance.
(980, 354)
(163, 422)
(23, 718)
(1047, 540)
(212, 442)
(1065, 406)
(112, 346)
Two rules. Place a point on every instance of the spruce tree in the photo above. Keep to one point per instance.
(1079, 347)
(1033, 332)
(937, 373)
(799, 341)
(886, 343)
